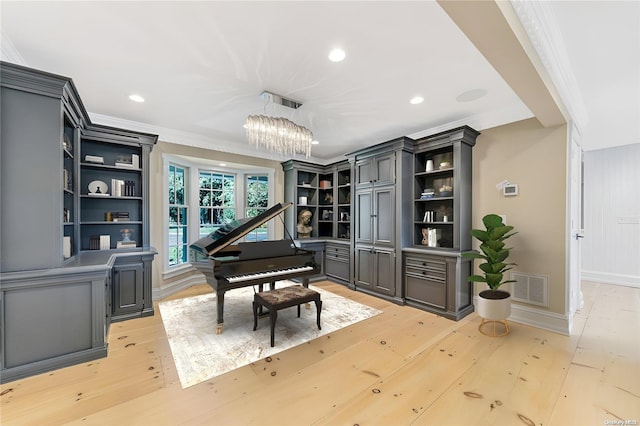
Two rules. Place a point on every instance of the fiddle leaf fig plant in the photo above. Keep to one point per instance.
(494, 253)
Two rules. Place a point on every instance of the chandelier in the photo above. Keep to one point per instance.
(279, 134)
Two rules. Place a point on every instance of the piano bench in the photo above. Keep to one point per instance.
(281, 298)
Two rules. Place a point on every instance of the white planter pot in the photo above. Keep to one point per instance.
(492, 309)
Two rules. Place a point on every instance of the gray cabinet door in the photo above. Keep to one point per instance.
(379, 170)
(127, 288)
(365, 173)
(385, 169)
(383, 216)
(385, 268)
(364, 222)
(376, 219)
(365, 258)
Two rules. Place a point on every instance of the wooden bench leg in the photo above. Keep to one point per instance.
(255, 315)
(318, 311)
(273, 316)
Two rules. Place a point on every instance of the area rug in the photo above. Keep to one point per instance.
(201, 354)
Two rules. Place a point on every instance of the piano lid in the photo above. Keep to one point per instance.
(229, 233)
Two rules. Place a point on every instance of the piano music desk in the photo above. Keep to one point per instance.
(281, 298)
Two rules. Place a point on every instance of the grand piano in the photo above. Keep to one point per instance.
(227, 266)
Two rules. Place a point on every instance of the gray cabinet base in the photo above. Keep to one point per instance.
(20, 372)
(456, 316)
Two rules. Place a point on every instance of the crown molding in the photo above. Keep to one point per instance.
(541, 26)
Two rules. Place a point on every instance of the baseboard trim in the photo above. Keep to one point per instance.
(534, 317)
(610, 278)
(177, 285)
(20, 372)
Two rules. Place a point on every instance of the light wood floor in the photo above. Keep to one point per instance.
(402, 367)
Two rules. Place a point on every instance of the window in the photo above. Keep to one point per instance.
(200, 199)
(256, 202)
(217, 201)
(178, 213)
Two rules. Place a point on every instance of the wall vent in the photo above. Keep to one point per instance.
(529, 288)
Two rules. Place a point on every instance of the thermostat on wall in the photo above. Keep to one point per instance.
(510, 190)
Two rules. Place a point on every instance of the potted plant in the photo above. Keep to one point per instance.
(493, 304)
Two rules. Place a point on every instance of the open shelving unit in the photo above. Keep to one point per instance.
(434, 198)
(325, 191)
(121, 206)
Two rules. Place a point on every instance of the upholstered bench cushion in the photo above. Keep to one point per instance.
(286, 295)
(282, 298)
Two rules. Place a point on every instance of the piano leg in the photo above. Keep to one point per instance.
(220, 307)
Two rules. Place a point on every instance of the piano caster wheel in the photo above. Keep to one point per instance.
(219, 329)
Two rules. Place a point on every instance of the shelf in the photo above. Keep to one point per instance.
(435, 172)
(113, 222)
(108, 197)
(434, 199)
(110, 167)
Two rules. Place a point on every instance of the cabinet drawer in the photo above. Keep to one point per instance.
(426, 263)
(337, 268)
(337, 252)
(424, 273)
(426, 291)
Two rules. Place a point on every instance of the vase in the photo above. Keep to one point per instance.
(494, 307)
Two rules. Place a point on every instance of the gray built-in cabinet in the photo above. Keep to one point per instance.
(403, 191)
(382, 175)
(58, 290)
(325, 191)
(435, 274)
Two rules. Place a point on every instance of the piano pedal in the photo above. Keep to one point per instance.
(219, 329)
(307, 306)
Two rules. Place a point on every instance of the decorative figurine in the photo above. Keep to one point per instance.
(304, 229)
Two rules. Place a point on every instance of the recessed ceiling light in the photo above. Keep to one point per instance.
(416, 100)
(315, 142)
(337, 55)
(471, 95)
(136, 98)
(223, 164)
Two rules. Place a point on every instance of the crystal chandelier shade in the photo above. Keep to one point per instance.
(279, 135)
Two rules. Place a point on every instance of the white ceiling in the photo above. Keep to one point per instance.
(202, 67)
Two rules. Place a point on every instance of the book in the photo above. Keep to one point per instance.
(66, 247)
(125, 244)
(105, 242)
(117, 187)
(94, 242)
(120, 216)
(94, 159)
(129, 188)
(135, 161)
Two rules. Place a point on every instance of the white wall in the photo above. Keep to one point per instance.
(611, 248)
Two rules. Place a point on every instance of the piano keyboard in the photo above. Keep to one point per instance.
(267, 274)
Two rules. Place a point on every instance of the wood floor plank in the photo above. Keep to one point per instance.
(603, 382)
(404, 366)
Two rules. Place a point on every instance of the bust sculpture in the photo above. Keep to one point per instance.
(303, 228)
